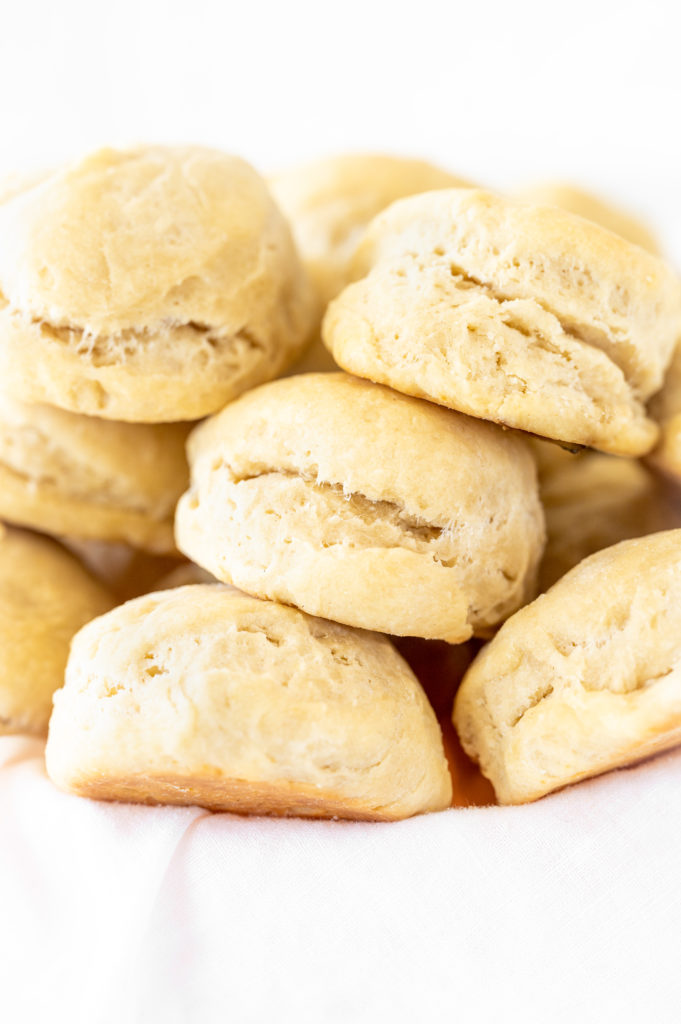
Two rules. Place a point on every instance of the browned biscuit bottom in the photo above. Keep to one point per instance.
(237, 796)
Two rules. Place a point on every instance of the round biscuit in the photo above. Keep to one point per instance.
(359, 504)
(150, 284)
(203, 695)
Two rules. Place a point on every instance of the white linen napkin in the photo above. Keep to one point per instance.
(568, 909)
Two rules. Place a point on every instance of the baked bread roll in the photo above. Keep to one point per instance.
(45, 597)
(524, 315)
(592, 501)
(364, 506)
(585, 204)
(79, 476)
(584, 679)
(202, 695)
(150, 285)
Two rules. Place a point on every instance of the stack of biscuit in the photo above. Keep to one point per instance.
(141, 290)
(355, 536)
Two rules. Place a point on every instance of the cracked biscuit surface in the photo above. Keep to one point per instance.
(365, 506)
(150, 284)
(584, 679)
(203, 695)
(45, 597)
(520, 314)
(84, 477)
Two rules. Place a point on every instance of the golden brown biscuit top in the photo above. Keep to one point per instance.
(128, 238)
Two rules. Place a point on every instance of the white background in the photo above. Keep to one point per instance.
(567, 910)
(502, 92)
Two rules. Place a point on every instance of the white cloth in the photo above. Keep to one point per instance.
(564, 910)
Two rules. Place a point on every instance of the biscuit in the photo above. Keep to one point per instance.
(584, 679)
(45, 597)
(364, 506)
(524, 315)
(594, 501)
(149, 285)
(80, 476)
(330, 202)
(203, 695)
(585, 204)
(665, 408)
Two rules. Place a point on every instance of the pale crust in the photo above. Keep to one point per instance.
(204, 695)
(364, 506)
(78, 476)
(45, 597)
(592, 501)
(585, 204)
(330, 202)
(149, 285)
(584, 679)
(521, 314)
